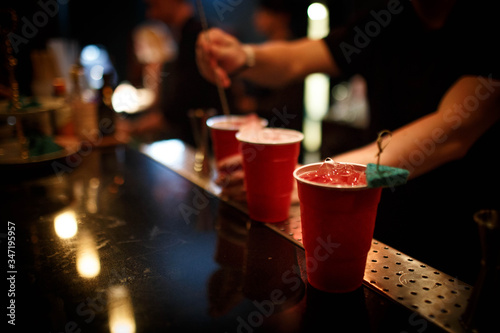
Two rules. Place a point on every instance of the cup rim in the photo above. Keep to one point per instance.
(216, 119)
(300, 137)
(333, 186)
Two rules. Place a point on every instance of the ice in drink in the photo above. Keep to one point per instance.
(333, 173)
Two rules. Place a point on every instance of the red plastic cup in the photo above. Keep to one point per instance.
(270, 156)
(223, 131)
(337, 230)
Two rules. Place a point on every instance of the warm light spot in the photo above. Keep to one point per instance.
(126, 98)
(121, 313)
(65, 224)
(88, 264)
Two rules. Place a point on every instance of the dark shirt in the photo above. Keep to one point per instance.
(282, 107)
(408, 69)
(183, 88)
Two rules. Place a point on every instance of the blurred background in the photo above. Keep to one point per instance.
(50, 36)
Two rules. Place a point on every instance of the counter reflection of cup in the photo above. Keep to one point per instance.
(223, 131)
(337, 229)
(271, 268)
(270, 156)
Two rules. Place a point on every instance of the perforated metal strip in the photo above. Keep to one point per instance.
(432, 294)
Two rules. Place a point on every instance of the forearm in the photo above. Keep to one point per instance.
(439, 137)
(280, 63)
(418, 147)
(220, 56)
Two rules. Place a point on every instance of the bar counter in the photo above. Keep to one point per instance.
(116, 239)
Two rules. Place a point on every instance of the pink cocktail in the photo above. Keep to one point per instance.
(338, 214)
(223, 131)
(270, 156)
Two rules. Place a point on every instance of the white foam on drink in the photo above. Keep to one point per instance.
(269, 135)
(235, 122)
(227, 125)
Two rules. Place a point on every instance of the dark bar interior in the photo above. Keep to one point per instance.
(121, 214)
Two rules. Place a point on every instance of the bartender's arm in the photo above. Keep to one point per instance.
(449, 131)
(272, 64)
(442, 136)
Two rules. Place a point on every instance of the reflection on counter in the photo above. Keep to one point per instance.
(65, 224)
(225, 284)
(256, 271)
(121, 311)
(342, 312)
(88, 264)
(123, 244)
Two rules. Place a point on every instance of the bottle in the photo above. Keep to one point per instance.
(105, 110)
(83, 110)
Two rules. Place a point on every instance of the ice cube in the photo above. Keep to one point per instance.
(348, 170)
(326, 168)
(331, 172)
(329, 168)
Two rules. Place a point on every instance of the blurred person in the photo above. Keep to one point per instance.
(433, 78)
(280, 19)
(180, 87)
(154, 46)
(284, 106)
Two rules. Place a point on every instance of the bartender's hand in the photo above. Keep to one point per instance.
(231, 178)
(218, 55)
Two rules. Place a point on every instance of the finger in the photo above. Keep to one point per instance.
(233, 171)
(236, 193)
(206, 62)
(231, 162)
(220, 73)
(216, 36)
(207, 56)
(201, 55)
(223, 77)
(230, 179)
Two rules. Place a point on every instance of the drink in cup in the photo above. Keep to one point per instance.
(338, 214)
(270, 156)
(223, 131)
